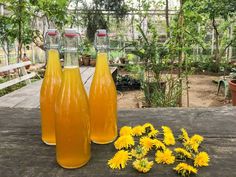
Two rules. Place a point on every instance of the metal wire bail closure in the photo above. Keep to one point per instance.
(71, 40)
(101, 40)
(52, 39)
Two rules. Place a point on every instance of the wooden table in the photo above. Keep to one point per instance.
(28, 96)
(22, 153)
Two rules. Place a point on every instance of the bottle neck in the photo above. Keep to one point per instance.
(102, 50)
(102, 60)
(53, 62)
(52, 54)
(71, 60)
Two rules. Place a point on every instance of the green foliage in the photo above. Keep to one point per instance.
(160, 89)
(220, 15)
(115, 54)
(87, 47)
(7, 34)
(19, 19)
(216, 8)
(119, 7)
(94, 17)
(54, 10)
(18, 24)
(94, 20)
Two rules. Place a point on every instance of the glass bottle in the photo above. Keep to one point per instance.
(50, 87)
(72, 109)
(103, 96)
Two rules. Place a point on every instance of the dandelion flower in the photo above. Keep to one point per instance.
(142, 165)
(153, 133)
(184, 135)
(165, 157)
(126, 130)
(119, 160)
(182, 153)
(158, 144)
(197, 138)
(148, 126)
(193, 143)
(185, 170)
(138, 130)
(146, 142)
(124, 142)
(139, 152)
(201, 159)
(169, 138)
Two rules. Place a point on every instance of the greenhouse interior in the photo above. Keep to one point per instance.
(117, 88)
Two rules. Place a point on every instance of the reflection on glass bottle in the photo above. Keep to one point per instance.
(72, 110)
(103, 96)
(50, 87)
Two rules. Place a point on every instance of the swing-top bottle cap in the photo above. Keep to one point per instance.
(101, 40)
(52, 39)
(52, 32)
(72, 40)
(101, 32)
(71, 32)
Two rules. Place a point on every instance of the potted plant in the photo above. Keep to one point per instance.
(86, 59)
(93, 58)
(232, 86)
(86, 55)
(123, 60)
(131, 58)
(80, 61)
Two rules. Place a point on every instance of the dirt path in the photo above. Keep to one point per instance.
(129, 99)
(202, 93)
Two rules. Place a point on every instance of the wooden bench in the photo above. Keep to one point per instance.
(25, 76)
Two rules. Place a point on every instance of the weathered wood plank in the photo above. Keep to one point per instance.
(17, 97)
(83, 69)
(24, 72)
(30, 102)
(33, 101)
(209, 122)
(16, 80)
(28, 96)
(26, 77)
(14, 66)
(88, 74)
(23, 153)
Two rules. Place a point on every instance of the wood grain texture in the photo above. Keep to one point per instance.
(23, 154)
(14, 66)
(28, 96)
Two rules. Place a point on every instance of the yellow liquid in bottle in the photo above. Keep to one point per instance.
(48, 93)
(103, 103)
(72, 122)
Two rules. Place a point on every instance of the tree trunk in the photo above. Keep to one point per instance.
(8, 53)
(132, 26)
(167, 19)
(216, 50)
(19, 32)
(181, 52)
(108, 13)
